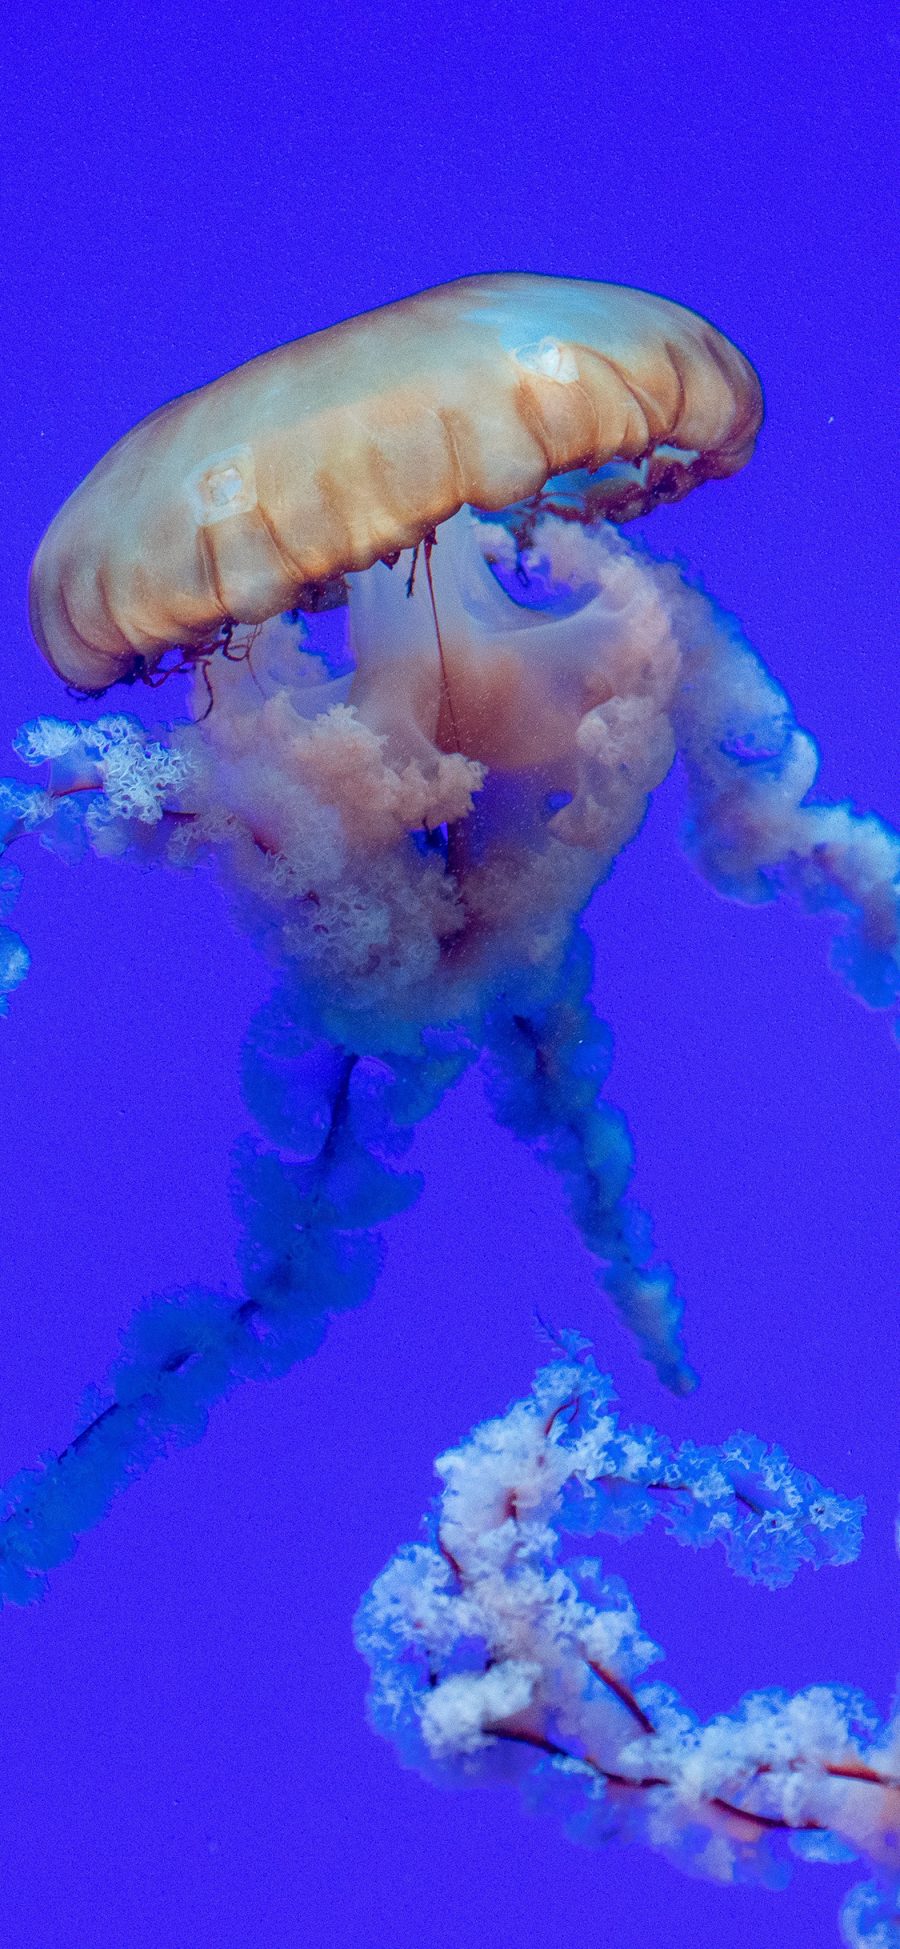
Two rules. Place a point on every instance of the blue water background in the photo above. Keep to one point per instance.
(183, 1744)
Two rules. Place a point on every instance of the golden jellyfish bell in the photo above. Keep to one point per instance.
(326, 455)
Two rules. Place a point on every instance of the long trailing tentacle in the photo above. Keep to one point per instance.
(547, 1066)
(308, 1249)
(496, 1655)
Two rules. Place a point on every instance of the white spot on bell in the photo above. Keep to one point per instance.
(550, 359)
(222, 485)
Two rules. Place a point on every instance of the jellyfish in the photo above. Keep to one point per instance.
(431, 688)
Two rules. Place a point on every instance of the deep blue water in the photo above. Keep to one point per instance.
(184, 1747)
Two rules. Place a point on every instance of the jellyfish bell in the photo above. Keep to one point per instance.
(324, 456)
